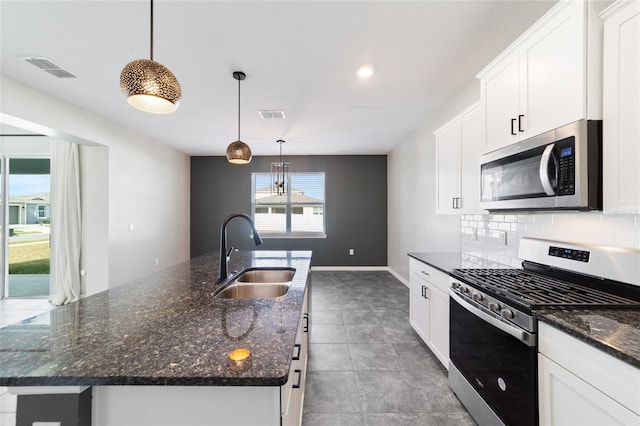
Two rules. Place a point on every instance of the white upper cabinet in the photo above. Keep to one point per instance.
(459, 144)
(621, 108)
(547, 78)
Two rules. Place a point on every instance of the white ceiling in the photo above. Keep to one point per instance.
(299, 56)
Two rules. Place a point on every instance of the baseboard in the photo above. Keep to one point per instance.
(399, 278)
(349, 268)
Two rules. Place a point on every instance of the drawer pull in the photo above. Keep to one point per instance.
(297, 356)
(306, 323)
(426, 273)
(299, 382)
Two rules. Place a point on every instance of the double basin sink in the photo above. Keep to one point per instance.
(258, 283)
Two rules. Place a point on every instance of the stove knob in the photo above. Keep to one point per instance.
(494, 306)
(465, 290)
(455, 285)
(507, 313)
(478, 297)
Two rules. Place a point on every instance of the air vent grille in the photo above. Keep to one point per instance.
(50, 67)
(277, 114)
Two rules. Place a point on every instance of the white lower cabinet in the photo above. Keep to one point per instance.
(292, 394)
(581, 385)
(429, 307)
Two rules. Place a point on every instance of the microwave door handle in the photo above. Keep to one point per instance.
(547, 157)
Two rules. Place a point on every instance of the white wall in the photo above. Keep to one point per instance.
(413, 224)
(148, 184)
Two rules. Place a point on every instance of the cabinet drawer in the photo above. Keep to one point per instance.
(613, 377)
(432, 275)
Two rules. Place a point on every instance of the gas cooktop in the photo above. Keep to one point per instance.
(537, 291)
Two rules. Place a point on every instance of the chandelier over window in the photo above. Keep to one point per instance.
(281, 175)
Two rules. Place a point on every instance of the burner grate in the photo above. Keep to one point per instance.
(534, 290)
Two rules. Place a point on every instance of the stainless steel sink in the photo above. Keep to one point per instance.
(253, 291)
(282, 275)
(258, 283)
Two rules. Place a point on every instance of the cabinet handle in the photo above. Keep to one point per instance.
(453, 203)
(513, 121)
(306, 323)
(299, 373)
(297, 357)
(426, 273)
(520, 117)
(425, 295)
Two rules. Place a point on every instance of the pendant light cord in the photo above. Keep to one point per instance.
(151, 26)
(239, 108)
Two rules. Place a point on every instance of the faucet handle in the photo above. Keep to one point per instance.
(229, 252)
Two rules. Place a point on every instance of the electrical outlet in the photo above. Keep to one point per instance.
(351, 252)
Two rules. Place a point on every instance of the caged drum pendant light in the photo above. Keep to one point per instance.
(281, 175)
(149, 85)
(239, 152)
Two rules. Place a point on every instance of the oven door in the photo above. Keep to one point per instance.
(495, 359)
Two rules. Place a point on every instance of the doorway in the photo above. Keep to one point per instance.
(26, 202)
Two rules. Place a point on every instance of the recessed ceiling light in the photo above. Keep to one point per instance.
(365, 71)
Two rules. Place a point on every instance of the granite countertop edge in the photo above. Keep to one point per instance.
(179, 336)
(613, 331)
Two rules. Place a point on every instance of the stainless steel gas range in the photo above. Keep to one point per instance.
(493, 330)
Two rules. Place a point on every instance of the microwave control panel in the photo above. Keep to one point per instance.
(566, 166)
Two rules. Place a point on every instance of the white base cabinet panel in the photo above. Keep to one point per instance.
(185, 405)
(581, 385)
(429, 307)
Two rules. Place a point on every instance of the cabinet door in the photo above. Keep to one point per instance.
(419, 307)
(500, 102)
(553, 73)
(471, 146)
(439, 324)
(621, 121)
(565, 399)
(447, 170)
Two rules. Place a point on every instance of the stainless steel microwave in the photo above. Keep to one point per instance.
(559, 169)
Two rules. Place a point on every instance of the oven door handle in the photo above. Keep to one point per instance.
(516, 332)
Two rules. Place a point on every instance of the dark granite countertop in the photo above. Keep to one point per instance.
(447, 262)
(164, 329)
(615, 331)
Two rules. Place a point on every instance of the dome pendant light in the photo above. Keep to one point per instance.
(149, 85)
(239, 152)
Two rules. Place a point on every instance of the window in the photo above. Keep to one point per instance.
(299, 213)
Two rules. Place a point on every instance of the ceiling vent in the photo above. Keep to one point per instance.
(271, 114)
(48, 66)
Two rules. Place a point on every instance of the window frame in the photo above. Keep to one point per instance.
(288, 205)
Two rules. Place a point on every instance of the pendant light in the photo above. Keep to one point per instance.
(280, 175)
(239, 152)
(149, 85)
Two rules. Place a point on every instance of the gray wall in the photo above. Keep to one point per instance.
(355, 206)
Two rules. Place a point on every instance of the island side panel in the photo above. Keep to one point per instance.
(186, 405)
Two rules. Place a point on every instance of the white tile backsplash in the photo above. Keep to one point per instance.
(496, 237)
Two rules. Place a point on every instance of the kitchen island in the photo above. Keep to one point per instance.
(164, 340)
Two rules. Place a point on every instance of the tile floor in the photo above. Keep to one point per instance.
(366, 364)
(11, 312)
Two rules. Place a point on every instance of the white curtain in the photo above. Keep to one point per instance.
(65, 222)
